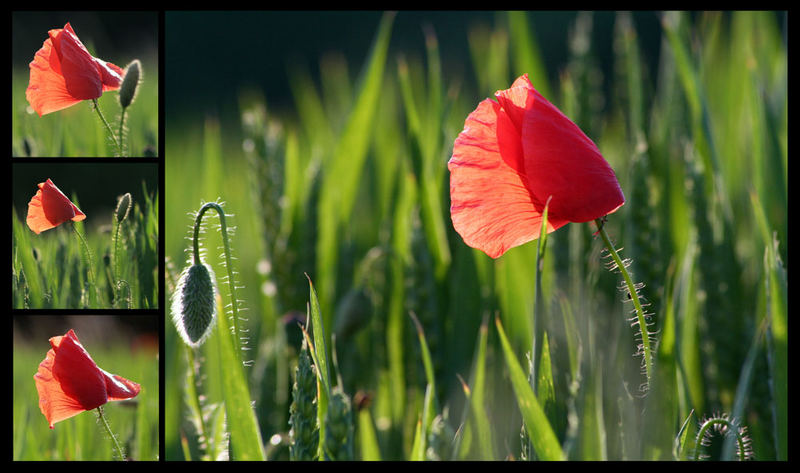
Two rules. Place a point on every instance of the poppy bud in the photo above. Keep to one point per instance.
(130, 83)
(123, 207)
(194, 304)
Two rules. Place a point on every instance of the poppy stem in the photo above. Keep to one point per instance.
(633, 293)
(228, 266)
(108, 127)
(122, 132)
(110, 433)
(89, 263)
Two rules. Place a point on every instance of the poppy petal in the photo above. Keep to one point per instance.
(562, 162)
(50, 208)
(53, 402)
(119, 388)
(77, 65)
(491, 206)
(47, 90)
(70, 382)
(63, 73)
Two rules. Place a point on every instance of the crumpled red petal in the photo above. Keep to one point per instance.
(63, 73)
(490, 204)
(69, 382)
(50, 208)
(512, 156)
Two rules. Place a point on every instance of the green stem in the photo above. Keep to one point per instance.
(90, 264)
(730, 426)
(114, 260)
(640, 317)
(121, 132)
(193, 387)
(108, 127)
(110, 433)
(228, 265)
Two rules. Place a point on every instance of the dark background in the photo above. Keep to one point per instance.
(210, 56)
(113, 36)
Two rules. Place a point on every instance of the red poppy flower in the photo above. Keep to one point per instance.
(514, 154)
(50, 208)
(69, 382)
(63, 73)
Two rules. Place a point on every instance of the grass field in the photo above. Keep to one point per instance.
(350, 187)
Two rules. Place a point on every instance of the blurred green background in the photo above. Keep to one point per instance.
(122, 345)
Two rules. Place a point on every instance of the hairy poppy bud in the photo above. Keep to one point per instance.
(194, 304)
(130, 83)
(123, 207)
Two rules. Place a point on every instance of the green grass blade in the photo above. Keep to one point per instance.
(245, 436)
(368, 439)
(544, 441)
(482, 430)
(778, 348)
(430, 406)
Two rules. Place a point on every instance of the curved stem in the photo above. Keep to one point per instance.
(108, 127)
(110, 433)
(640, 317)
(228, 265)
(731, 427)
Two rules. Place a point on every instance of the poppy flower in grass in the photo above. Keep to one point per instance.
(513, 155)
(70, 382)
(63, 73)
(50, 208)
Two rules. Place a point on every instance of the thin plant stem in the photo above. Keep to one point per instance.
(640, 317)
(108, 127)
(122, 131)
(115, 259)
(110, 433)
(228, 265)
(90, 264)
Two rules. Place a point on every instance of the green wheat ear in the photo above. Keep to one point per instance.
(339, 427)
(303, 410)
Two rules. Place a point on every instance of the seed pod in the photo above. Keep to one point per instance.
(194, 304)
(127, 91)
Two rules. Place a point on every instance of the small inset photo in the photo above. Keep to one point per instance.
(86, 388)
(85, 84)
(85, 235)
